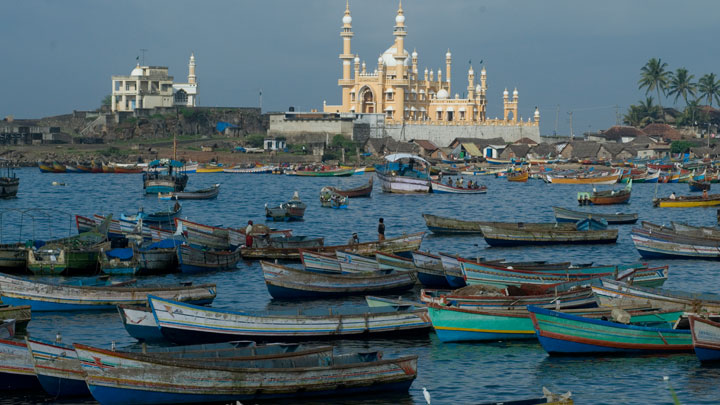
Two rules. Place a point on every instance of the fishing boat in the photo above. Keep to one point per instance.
(520, 176)
(58, 168)
(430, 272)
(13, 256)
(404, 173)
(20, 314)
(705, 339)
(701, 185)
(192, 260)
(581, 297)
(16, 367)
(444, 225)
(566, 215)
(609, 197)
(164, 176)
(255, 169)
(43, 296)
(209, 168)
(181, 323)
(563, 333)
(438, 187)
(613, 292)
(293, 210)
(356, 192)
(45, 167)
(403, 243)
(548, 398)
(72, 255)
(391, 262)
(585, 178)
(142, 379)
(290, 283)
(453, 270)
(495, 161)
(118, 261)
(331, 199)
(322, 262)
(160, 217)
(140, 323)
(323, 173)
(520, 234)
(7, 328)
(202, 194)
(125, 169)
(354, 263)
(684, 201)
(9, 183)
(653, 244)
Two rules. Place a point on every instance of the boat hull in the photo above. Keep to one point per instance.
(402, 185)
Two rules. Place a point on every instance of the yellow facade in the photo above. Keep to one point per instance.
(396, 88)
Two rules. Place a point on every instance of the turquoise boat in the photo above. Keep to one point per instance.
(562, 333)
(454, 324)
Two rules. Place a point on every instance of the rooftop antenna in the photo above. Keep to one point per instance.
(572, 135)
(557, 116)
(260, 99)
(617, 114)
(143, 50)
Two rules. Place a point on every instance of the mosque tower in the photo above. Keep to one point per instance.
(191, 70)
(347, 57)
(399, 33)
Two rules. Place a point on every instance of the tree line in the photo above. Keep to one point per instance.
(656, 78)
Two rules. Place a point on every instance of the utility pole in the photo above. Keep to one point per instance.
(572, 135)
(557, 116)
(617, 114)
(260, 100)
(143, 50)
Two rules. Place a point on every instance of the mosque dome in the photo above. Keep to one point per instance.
(471, 71)
(388, 57)
(515, 93)
(414, 54)
(448, 55)
(442, 94)
(347, 19)
(478, 88)
(357, 59)
(137, 71)
(506, 93)
(400, 19)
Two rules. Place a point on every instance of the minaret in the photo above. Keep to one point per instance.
(399, 33)
(448, 62)
(483, 80)
(414, 64)
(537, 115)
(471, 83)
(346, 57)
(191, 70)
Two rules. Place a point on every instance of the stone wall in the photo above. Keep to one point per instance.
(442, 135)
(308, 130)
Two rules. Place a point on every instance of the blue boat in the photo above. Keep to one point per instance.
(706, 339)
(140, 323)
(430, 272)
(164, 176)
(16, 368)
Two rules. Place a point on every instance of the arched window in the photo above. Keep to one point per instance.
(181, 97)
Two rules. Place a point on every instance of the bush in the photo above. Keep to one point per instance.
(682, 146)
(255, 141)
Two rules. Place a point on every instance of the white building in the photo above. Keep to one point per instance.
(152, 86)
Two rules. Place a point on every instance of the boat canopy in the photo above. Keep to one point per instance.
(398, 156)
(165, 162)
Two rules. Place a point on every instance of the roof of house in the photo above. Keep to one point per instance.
(702, 151)
(472, 149)
(526, 141)
(520, 150)
(664, 131)
(584, 149)
(616, 148)
(376, 143)
(425, 144)
(543, 149)
(644, 139)
(480, 142)
(617, 132)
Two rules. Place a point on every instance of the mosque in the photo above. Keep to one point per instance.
(151, 86)
(418, 105)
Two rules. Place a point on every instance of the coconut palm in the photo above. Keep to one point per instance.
(709, 88)
(645, 112)
(654, 77)
(681, 84)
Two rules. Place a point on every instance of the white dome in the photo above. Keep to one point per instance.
(400, 19)
(482, 72)
(414, 54)
(357, 59)
(388, 57)
(442, 94)
(347, 19)
(478, 88)
(515, 93)
(471, 71)
(137, 71)
(448, 55)
(537, 113)
(380, 60)
(505, 93)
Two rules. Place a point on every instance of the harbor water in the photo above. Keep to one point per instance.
(452, 373)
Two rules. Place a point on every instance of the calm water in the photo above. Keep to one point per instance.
(453, 373)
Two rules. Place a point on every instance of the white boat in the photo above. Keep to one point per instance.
(404, 173)
(438, 187)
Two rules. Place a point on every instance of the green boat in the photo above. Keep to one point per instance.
(73, 255)
(454, 324)
(562, 333)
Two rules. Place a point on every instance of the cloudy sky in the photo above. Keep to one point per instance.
(562, 55)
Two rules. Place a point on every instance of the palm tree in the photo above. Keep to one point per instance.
(681, 84)
(645, 112)
(654, 77)
(709, 88)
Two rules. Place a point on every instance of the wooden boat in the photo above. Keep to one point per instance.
(293, 210)
(9, 183)
(705, 338)
(520, 234)
(581, 297)
(45, 167)
(612, 292)
(361, 191)
(16, 367)
(404, 243)
(157, 256)
(323, 173)
(609, 197)
(20, 314)
(181, 322)
(323, 262)
(391, 262)
(13, 256)
(108, 168)
(659, 245)
(603, 178)
(353, 263)
(684, 201)
(164, 176)
(252, 170)
(566, 215)
(701, 185)
(548, 398)
(7, 328)
(438, 187)
(289, 283)
(330, 199)
(160, 217)
(140, 323)
(118, 261)
(453, 270)
(202, 194)
(443, 225)
(518, 176)
(562, 333)
(141, 379)
(430, 272)
(453, 324)
(227, 238)
(495, 161)
(209, 168)
(58, 168)
(192, 260)
(54, 297)
(71, 255)
(124, 169)
(404, 173)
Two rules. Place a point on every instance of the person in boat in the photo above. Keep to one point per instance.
(672, 196)
(449, 181)
(381, 229)
(470, 184)
(705, 194)
(248, 236)
(354, 240)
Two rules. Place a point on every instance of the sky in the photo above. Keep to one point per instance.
(563, 56)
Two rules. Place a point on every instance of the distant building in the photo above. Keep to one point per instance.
(151, 86)
(273, 144)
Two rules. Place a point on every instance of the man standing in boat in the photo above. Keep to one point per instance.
(381, 229)
(248, 236)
